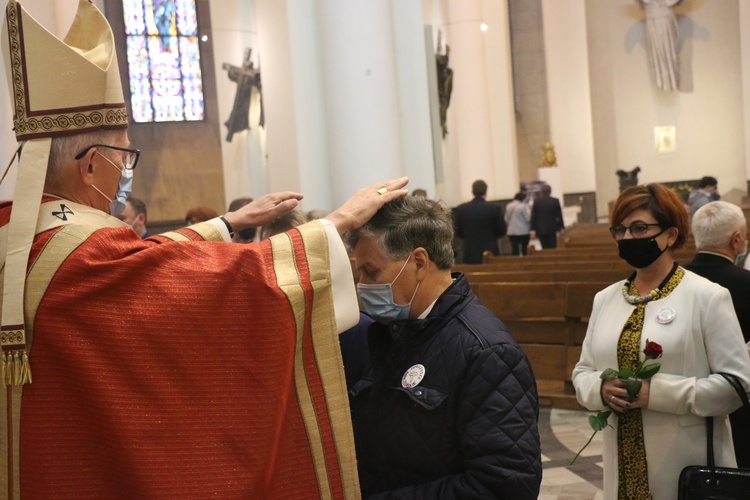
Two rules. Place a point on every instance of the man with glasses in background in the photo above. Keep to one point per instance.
(162, 393)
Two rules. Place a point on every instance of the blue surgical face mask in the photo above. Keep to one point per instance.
(125, 187)
(377, 300)
(741, 257)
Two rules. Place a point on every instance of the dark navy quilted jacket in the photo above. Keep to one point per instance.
(468, 429)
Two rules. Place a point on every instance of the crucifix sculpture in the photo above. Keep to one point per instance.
(445, 81)
(247, 76)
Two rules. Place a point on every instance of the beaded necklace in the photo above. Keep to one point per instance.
(635, 299)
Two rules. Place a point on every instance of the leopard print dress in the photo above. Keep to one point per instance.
(631, 451)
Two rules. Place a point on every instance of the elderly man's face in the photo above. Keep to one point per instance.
(109, 170)
(376, 269)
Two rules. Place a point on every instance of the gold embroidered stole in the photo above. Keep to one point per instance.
(318, 372)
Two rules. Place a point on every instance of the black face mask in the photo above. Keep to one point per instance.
(640, 252)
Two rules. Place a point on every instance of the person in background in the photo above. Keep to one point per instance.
(135, 216)
(199, 214)
(447, 406)
(694, 322)
(246, 235)
(518, 218)
(546, 219)
(708, 191)
(479, 224)
(720, 231)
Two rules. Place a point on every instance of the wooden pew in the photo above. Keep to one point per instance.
(543, 313)
(549, 321)
(584, 235)
(528, 265)
(589, 254)
(555, 276)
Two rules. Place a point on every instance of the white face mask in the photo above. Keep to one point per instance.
(125, 187)
(378, 302)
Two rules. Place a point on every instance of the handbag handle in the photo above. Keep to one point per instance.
(737, 386)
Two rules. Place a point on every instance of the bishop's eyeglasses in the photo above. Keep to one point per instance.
(637, 230)
(129, 160)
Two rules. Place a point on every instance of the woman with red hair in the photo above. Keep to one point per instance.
(661, 430)
(199, 214)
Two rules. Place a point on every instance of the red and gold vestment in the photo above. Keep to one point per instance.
(182, 369)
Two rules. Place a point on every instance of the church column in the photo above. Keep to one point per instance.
(569, 93)
(361, 93)
(233, 30)
(412, 79)
(481, 141)
(293, 99)
(745, 62)
(346, 95)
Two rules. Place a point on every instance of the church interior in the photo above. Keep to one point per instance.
(323, 97)
(351, 95)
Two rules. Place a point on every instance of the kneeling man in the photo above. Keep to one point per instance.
(447, 406)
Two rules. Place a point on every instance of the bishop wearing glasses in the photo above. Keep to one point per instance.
(108, 392)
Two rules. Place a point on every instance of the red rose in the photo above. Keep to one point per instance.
(652, 350)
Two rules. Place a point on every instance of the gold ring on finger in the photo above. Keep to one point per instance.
(383, 190)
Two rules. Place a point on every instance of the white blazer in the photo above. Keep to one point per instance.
(703, 338)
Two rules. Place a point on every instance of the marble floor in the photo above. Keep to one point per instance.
(563, 433)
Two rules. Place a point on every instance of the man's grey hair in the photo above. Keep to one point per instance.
(408, 223)
(714, 223)
(64, 149)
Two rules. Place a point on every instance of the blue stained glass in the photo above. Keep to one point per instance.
(163, 60)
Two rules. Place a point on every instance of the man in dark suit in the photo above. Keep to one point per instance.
(479, 224)
(546, 218)
(720, 232)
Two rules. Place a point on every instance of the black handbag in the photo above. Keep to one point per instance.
(708, 482)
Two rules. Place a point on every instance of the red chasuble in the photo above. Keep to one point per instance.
(182, 369)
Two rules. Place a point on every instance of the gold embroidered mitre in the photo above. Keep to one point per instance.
(62, 87)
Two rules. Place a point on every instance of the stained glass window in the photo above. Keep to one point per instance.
(163, 60)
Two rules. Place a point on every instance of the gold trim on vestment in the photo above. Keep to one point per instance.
(57, 249)
(288, 280)
(21, 230)
(207, 231)
(175, 236)
(327, 353)
(328, 357)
